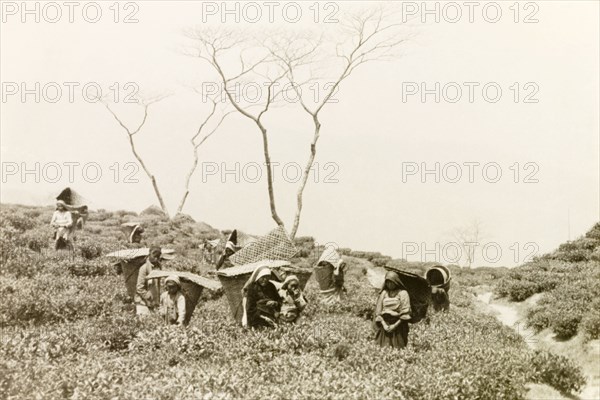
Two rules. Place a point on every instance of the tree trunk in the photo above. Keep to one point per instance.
(187, 181)
(152, 178)
(274, 214)
(309, 164)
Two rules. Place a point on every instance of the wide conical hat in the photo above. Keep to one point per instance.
(130, 254)
(70, 197)
(196, 279)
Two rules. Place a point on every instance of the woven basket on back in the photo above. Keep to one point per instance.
(130, 270)
(233, 280)
(439, 276)
(130, 261)
(324, 276)
(191, 287)
(419, 292)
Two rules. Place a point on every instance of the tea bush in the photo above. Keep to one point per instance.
(89, 249)
(568, 278)
(557, 372)
(37, 239)
(563, 308)
(16, 218)
(50, 299)
(590, 323)
(69, 332)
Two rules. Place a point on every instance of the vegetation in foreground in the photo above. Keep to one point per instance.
(68, 332)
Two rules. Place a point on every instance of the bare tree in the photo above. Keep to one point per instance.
(372, 36)
(216, 47)
(196, 143)
(130, 136)
(469, 237)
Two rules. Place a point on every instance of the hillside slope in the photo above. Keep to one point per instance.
(69, 332)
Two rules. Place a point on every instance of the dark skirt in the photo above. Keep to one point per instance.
(397, 339)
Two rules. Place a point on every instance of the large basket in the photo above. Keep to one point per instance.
(130, 270)
(191, 286)
(419, 292)
(324, 276)
(233, 280)
(439, 276)
(129, 254)
(130, 261)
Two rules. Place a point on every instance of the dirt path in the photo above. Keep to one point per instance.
(587, 355)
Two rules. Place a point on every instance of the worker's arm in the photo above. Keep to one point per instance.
(405, 307)
(142, 286)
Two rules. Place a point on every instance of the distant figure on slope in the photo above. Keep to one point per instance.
(439, 279)
(230, 248)
(79, 212)
(330, 271)
(209, 248)
(392, 313)
(133, 231)
(262, 302)
(293, 299)
(146, 295)
(224, 259)
(172, 302)
(82, 216)
(63, 221)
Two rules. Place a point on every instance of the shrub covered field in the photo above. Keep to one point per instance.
(68, 331)
(568, 279)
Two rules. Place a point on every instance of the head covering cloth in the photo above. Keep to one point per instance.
(174, 279)
(288, 281)
(394, 277)
(256, 274)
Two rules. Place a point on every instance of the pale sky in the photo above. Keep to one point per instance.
(368, 138)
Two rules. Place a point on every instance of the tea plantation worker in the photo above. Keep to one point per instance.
(224, 259)
(146, 294)
(439, 278)
(262, 302)
(211, 250)
(440, 299)
(172, 302)
(330, 271)
(392, 313)
(293, 299)
(63, 221)
(82, 217)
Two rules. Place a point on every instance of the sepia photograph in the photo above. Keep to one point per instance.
(289, 200)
